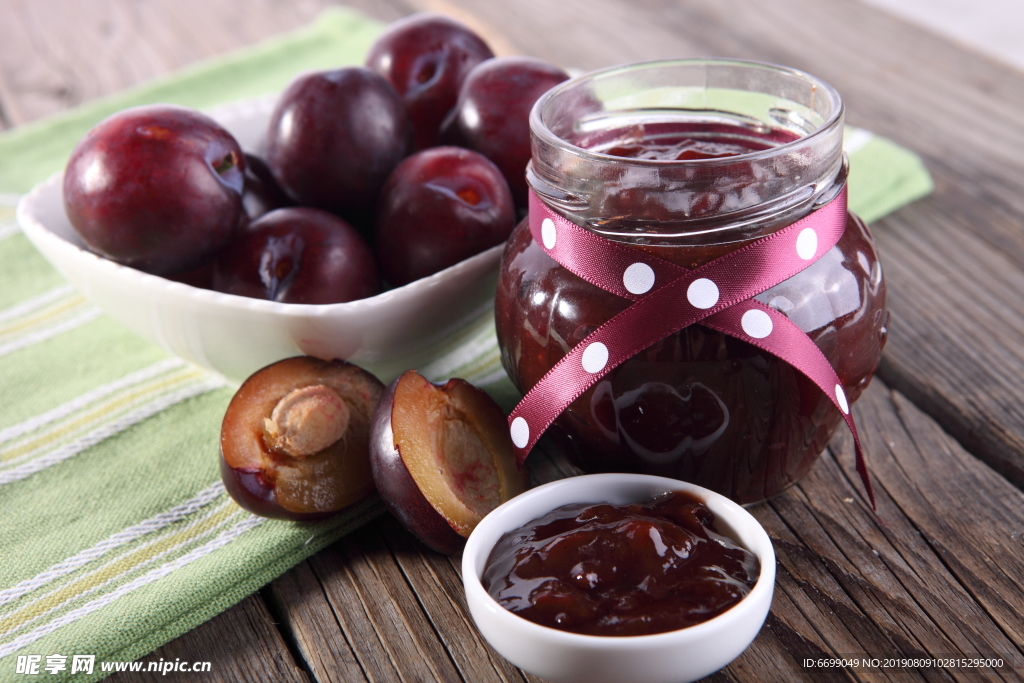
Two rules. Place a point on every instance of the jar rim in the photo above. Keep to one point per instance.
(540, 128)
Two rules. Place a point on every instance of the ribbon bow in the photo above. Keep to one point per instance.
(668, 297)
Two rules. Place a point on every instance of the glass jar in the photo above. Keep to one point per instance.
(689, 160)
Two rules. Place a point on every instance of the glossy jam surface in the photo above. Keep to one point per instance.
(621, 570)
(699, 405)
(681, 142)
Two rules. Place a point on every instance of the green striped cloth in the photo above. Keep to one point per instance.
(116, 534)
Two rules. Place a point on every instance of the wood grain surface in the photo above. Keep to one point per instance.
(938, 569)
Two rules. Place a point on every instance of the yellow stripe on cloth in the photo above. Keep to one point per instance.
(103, 412)
(118, 569)
(154, 524)
(245, 524)
(43, 317)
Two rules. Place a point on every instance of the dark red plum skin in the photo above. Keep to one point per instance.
(398, 489)
(253, 493)
(157, 188)
(262, 193)
(298, 255)
(440, 206)
(334, 137)
(200, 276)
(426, 57)
(493, 113)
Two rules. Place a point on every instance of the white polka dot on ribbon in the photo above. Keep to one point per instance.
(638, 278)
(807, 244)
(548, 233)
(520, 432)
(702, 293)
(841, 399)
(595, 357)
(757, 323)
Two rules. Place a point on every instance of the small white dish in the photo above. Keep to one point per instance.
(562, 657)
(234, 336)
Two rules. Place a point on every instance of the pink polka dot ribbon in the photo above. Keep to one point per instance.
(668, 297)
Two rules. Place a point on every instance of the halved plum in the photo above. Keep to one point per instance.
(442, 458)
(295, 438)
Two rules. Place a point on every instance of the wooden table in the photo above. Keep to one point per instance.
(937, 571)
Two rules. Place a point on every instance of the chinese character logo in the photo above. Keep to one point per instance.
(82, 663)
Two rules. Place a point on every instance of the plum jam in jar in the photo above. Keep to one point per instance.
(689, 160)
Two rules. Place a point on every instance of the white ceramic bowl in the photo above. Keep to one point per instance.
(235, 336)
(561, 657)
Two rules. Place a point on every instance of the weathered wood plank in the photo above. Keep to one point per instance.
(299, 602)
(361, 573)
(346, 604)
(955, 344)
(59, 53)
(241, 644)
(964, 521)
(931, 572)
(438, 587)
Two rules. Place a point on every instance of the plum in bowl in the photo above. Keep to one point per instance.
(235, 336)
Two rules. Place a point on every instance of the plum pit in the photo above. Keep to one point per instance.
(295, 438)
(306, 421)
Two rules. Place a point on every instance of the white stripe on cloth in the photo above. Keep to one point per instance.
(36, 302)
(154, 523)
(97, 435)
(479, 345)
(88, 315)
(121, 575)
(149, 577)
(92, 396)
(485, 380)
